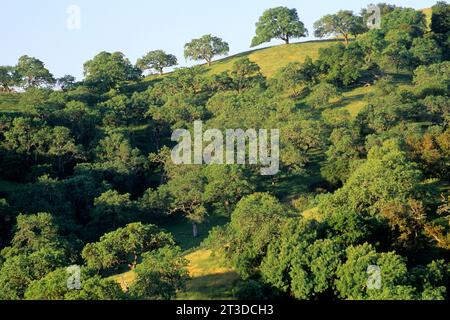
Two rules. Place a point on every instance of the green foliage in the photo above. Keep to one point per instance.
(54, 287)
(440, 26)
(156, 60)
(372, 43)
(107, 70)
(226, 186)
(406, 20)
(341, 65)
(278, 23)
(33, 72)
(343, 23)
(66, 82)
(124, 246)
(121, 111)
(344, 150)
(8, 78)
(179, 110)
(254, 224)
(321, 95)
(432, 80)
(295, 76)
(397, 50)
(299, 140)
(364, 156)
(245, 74)
(112, 210)
(426, 51)
(387, 174)
(34, 232)
(35, 250)
(353, 277)
(160, 275)
(298, 262)
(206, 48)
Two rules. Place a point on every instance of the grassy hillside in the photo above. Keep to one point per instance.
(273, 58)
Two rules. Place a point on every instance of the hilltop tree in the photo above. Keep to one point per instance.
(106, 70)
(343, 23)
(8, 78)
(66, 82)
(206, 48)
(279, 23)
(156, 60)
(33, 73)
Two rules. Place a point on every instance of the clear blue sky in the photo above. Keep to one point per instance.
(38, 28)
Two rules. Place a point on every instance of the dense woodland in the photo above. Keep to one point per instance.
(86, 175)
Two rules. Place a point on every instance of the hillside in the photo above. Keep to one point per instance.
(361, 175)
(273, 58)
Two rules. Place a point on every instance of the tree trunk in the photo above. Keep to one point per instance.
(346, 39)
(194, 230)
(286, 40)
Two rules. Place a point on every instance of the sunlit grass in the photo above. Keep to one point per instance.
(428, 13)
(273, 58)
(210, 277)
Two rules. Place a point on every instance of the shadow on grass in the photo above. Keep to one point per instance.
(345, 101)
(217, 286)
(181, 229)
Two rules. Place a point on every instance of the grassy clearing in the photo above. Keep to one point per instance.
(312, 214)
(428, 13)
(354, 100)
(210, 278)
(182, 231)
